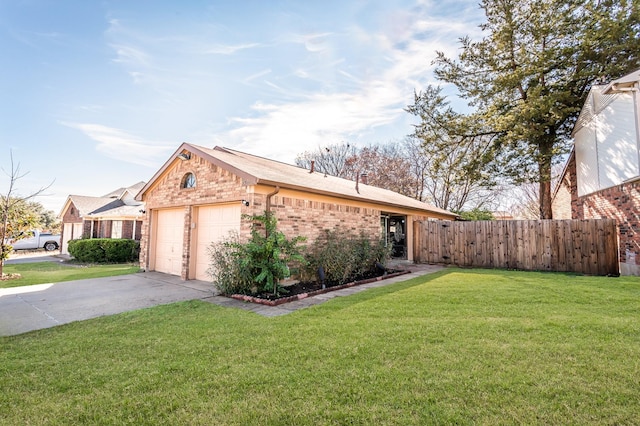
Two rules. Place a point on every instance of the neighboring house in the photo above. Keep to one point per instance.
(602, 176)
(114, 215)
(200, 195)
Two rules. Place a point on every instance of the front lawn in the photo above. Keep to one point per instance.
(55, 272)
(456, 347)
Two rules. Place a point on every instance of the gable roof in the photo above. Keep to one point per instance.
(109, 205)
(120, 192)
(597, 100)
(258, 170)
(601, 95)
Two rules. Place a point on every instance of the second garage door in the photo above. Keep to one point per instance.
(214, 223)
(169, 238)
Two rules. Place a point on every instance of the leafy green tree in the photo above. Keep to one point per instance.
(269, 253)
(21, 218)
(454, 153)
(475, 214)
(47, 219)
(16, 215)
(529, 76)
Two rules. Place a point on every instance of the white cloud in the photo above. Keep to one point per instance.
(360, 98)
(120, 145)
(300, 90)
(282, 131)
(130, 55)
(222, 49)
(257, 75)
(316, 42)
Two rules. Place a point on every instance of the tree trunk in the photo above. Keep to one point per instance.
(544, 168)
(545, 200)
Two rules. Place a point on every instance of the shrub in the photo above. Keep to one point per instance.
(226, 268)
(104, 250)
(344, 257)
(260, 264)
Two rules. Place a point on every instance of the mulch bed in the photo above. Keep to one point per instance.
(303, 290)
(7, 277)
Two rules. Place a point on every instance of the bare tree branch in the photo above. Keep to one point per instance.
(8, 202)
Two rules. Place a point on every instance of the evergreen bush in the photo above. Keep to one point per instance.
(104, 250)
(259, 265)
(226, 267)
(344, 257)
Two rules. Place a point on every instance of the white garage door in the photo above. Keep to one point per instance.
(72, 231)
(168, 241)
(214, 224)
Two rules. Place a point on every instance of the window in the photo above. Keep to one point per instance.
(116, 229)
(188, 181)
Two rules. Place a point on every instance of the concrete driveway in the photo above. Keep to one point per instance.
(39, 306)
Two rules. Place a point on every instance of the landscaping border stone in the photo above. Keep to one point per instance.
(287, 299)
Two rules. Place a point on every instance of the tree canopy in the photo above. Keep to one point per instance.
(410, 168)
(528, 78)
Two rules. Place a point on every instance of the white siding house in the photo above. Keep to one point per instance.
(606, 139)
(602, 174)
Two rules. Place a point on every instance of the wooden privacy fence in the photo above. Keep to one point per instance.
(583, 246)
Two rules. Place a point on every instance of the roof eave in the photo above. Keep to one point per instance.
(65, 206)
(351, 198)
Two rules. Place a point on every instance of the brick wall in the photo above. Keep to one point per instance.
(105, 229)
(213, 184)
(71, 215)
(127, 229)
(311, 218)
(144, 240)
(86, 229)
(620, 202)
(561, 203)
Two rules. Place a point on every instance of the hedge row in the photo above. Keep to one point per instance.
(104, 250)
(343, 257)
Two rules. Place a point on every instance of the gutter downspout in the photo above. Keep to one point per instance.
(268, 210)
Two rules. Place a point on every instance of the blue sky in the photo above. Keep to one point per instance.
(96, 95)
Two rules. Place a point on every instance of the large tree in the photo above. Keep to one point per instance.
(383, 165)
(454, 155)
(331, 159)
(17, 214)
(529, 76)
(412, 168)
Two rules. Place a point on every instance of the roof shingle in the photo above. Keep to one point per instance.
(262, 170)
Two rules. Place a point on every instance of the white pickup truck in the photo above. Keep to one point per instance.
(36, 240)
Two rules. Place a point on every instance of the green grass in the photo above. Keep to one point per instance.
(52, 272)
(457, 347)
